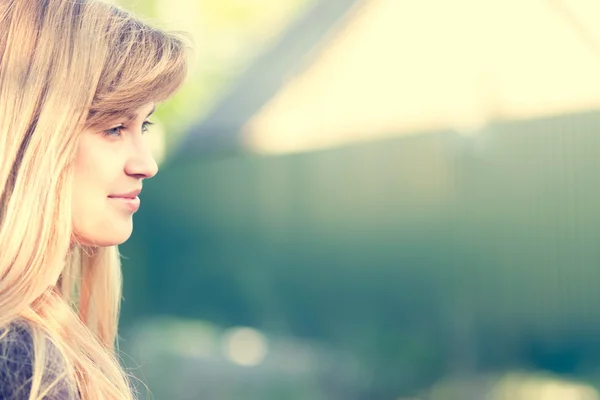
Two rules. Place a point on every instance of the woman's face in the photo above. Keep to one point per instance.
(110, 165)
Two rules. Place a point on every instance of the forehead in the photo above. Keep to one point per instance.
(99, 117)
(143, 112)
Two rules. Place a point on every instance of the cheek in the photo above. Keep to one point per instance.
(96, 168)
(89, 177)
(96, 173)
(87, 195)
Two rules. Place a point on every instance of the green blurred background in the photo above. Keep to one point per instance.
(371, 199)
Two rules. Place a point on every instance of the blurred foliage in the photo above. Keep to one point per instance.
(419, 258)
(226, 35)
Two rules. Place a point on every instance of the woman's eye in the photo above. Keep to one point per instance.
(146, 126)
(116, 131)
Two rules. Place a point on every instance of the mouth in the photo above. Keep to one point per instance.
(130, 204)
(129, 195)
(129, 201)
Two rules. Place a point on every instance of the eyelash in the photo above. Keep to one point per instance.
(117, 129)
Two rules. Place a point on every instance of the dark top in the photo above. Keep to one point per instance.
(16, 366)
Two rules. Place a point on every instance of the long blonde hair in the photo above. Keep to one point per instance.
(66, 65)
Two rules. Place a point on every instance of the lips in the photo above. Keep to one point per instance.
(130, 200)
(129, 195)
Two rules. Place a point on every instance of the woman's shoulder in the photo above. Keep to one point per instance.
(16, 364)
(16, 359)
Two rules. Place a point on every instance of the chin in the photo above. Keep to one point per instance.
(113, 241)
(114, 237)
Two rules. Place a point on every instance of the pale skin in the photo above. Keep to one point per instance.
(110, 166)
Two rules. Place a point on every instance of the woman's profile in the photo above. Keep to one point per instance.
(78, 80)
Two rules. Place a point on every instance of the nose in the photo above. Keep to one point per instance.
(141, 164)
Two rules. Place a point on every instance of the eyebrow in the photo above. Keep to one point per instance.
(151, 111)
(132, 116)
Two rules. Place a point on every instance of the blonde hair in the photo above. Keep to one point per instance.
(66, 65)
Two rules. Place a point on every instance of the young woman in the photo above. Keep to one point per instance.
(78, 80)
